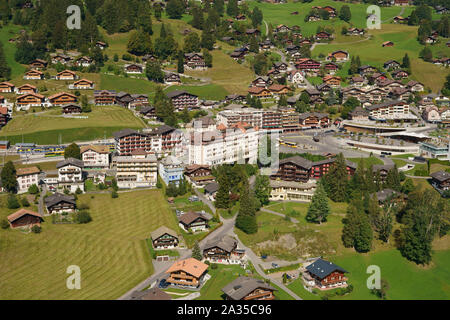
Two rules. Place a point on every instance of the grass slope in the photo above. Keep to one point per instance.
(110, 250)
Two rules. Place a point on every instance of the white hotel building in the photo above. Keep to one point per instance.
(224, 145)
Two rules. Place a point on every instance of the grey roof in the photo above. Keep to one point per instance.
(150, 294)
(162, 231)
(171, 161)
(163, 129)
(191, 216)
(305, 115)
(298, 160)
(126, 132)
(177, 93)
(384, 104)
(291, 184)
(58, 197)
(322, 268)
(212, 187)
(378, 167)
(440, 175)
(226, 243)
(147, 109)
(72, 161)
(384, 194)
(242, 286)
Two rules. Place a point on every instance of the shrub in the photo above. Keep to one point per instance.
(83, 206)
(78, 191)
(25, 202)
(36, 229)
(213, 266)
(114, 194)
(33, 189)
(4, 224)
(83, 217)
(12, 202)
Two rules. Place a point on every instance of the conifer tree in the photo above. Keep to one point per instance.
(246, 218)
(337, 179)
(196, 253)
(319, 208)
(8, 177)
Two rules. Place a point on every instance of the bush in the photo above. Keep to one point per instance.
(25, 202)
(33, 189)
(83, 206)
(78, 191)
(4, 224)
(12, 202)
(114, 194)
(213, 266)
(36, 229)
(83, 217)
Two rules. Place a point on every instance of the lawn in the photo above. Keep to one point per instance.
(130, 85)
(370, 161)
(46, 128)
(207, 91)
(7, 32)
(110, 251)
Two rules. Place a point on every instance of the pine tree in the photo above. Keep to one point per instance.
(405, 62)
(140, 43)
(232, 8)
(246, 218)
(319, 208)
(175, 9)
(180, 62)
(357, 231)
(345, 13)
(223, 194)
(337, 179)
(8, 177)
(196, 253)
(262, 188)
(5, 70)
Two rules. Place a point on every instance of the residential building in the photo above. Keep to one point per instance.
(382, 171)
(246, 288)
(66, 75)
(6, 87)
(441, 180)
(70, 174)
(24, 218)
(359, 114)
(183, 100)
(71, 109)
(281, 190)
(314, 120)
(95, 156)
(62, 98)
(194, 61)
(84, 62)
(187, 273)
(435, 149)
(38, 64)
(34, 75)
(134, 68)
(105, 97)
(164, 238)
(171, 170)
(28, 100)
(392, 110)
(431, 114)
(26, 177)
(138, 170)
(26, 88)
(195, 221)
(172, 78)
(82, 84)
(61, 58)
(198, 175)
(59, 203)
(223, 250)
(338, 56)
(324, 275)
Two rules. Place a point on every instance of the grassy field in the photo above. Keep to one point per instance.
(11, 31)
(367, 161)
(109, 250)
(208, 91)
(131, 85)
(47, 127)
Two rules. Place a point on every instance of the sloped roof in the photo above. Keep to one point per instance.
(190, 265)
(151, 294)
(441, 176)
(72, 161)
(191, 216)
(298, 160)
(58, 197)
(161, 231)
(226, 243)
(322, 268)
(20, 213)
(242, 286)
(26, 171)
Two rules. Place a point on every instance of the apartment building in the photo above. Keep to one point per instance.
(26, 177)
(95, 156)
(138, 170)
(171, 170)
(392, 110)
(70, 174)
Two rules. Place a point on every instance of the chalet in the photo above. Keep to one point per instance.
(305, 42)
(389, 85)
(62, 98)
(389, 195)
(400, 19)
(164, 238)
(123, 99)
(183, 100)
(366, 70)
(275, 74)
(324, 275)
(82, 84)
(290, 49)
(34, 75)
(323, 36)
(382, 170)
(262, 82)
(24, 218)
(377, 77)
(236, 98)
(355, 92)
(101, 45)
(4, 115)
(282, 28)
(105, 97)
(246, 288)
(296, 77)
(199, 175)
(187, 273)
(442, 61)
(441, 180)
(66, 75)
(312, 93)
(95, 156)
(332, 11)
(195, 221)
(238, 55)
(240, 17)
(28, 100)
(402, 94)
(139, 100)
(387, 44)
(26, 88)
(357, 81)
(280, 66)
(59, 203)
(211, 190)
(70, 174)
(38, 64)
(358, 114)
(61, 58)
(149, 58)
(308, 65)
(134, 68)
(314, 17)
(172, 78)
(314, 120)
(266, 45)
(223, 250)
(338, 56)
(400, 74)
(333, 81)
(253, 32)
(259, 92)
(84, 62)
(26, 177)
(430, 40)
(331, 67)
(71, 108)
(148, 112)
(391, 65)
(6, 87)
(194, 61)
(279, 89)
(324, 88)
(355, 32)
(401, 2)
(415, 86)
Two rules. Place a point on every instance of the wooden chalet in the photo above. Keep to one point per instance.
(333, 81)
(66, 75)
(104, 97)
(324, 275)
(391, 65)
(82, 84)
(172, 78)
(355, 32)
(387, 44)
(149, 58)
(382, 171)
(194, 61)
(367, 70)
(61, 58)
(148, 112)
(24, 218)
(246, 288)
(331, 67)
(400, 74)
(262, 81)
(101, 45)
(30, 100)
(259, 92)
(338, 56)
(7, 87)
(323, 36)
(400, 19)
(134, 68)
(199, 175)
(34, 75)
(279, 89)
(441, 180)
(222, 250)
(164, 238)
(4, 115)
(183, 100)
(84, 61)
(26, 88)
(71, 109)
(38, 64)
(308, 65)
(187, 273)
(62, 98)
(196, 221)
(59, 203)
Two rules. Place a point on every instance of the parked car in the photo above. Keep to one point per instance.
(274, 265)
(163, 284)
(193, 198)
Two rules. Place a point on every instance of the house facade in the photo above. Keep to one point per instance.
(70, 174)
(139, 170)
(59, 203)
(164, 238)
(246, 288)
(26, 177)
(95, 156)
(171, 170)
(187, 273)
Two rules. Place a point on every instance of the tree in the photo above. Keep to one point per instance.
(208, 39)
(36, 229)
(185, 117)
(405, 62)
(207, 57)
(262, 188)
(72, 151)
(254, 46)
(83, 217)
(4, 224)
(246, 218)
(256, 17)
(8, 177)
(426, 54)
(223, 194)
(197, 17)
(232, 8)
(175, 9)
(260, 64)
(192, 43)
(336, 180)
(140, 43)
(180, 62)
(153, 71)
(319, 208)
(5, 70)
(196, 253)
(144, 18)
(408, 186)
(12, 202)
(345, 13)
(24, 202)
(357, 232)
(382, 291)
